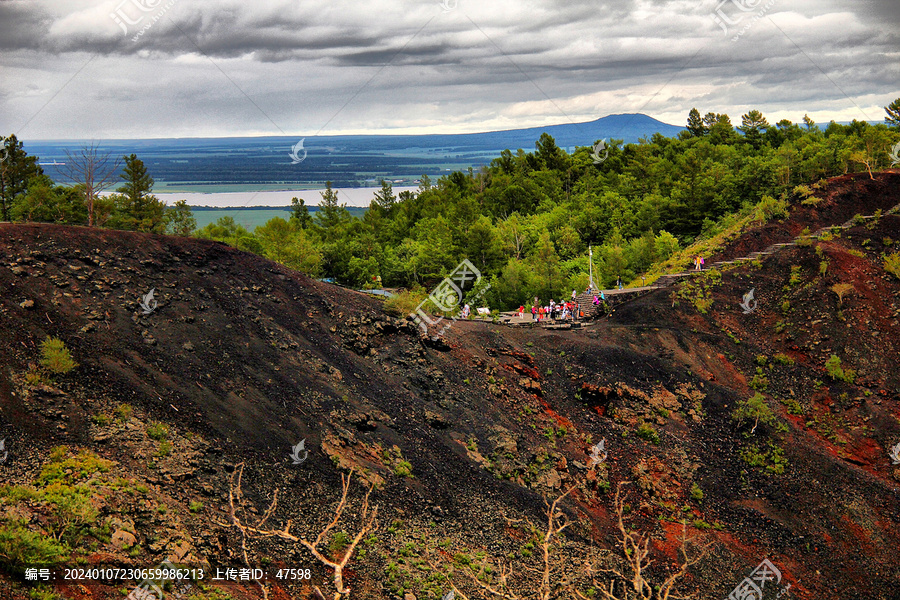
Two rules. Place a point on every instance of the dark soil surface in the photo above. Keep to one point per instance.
(463, 435)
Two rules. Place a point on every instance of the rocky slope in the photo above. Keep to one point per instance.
(462, 436)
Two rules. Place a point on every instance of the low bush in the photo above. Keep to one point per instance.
(404, 303)
(55, 357)
(892, 263)
(645, 431)
(837, 372)
(158, 430)
(771, 459)
(21, 548)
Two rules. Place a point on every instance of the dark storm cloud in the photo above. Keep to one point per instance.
(230, 67)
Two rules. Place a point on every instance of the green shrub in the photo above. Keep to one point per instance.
(124, 412)
(793, 407)
(158, 430)
(759, 381)
(802, 191)
(403, 468)
(165, 448)
(21, 548)
(836, 372)
(101, 419)
(696, 492)
(771, 459)
(892, 264)
(55, 356)
(195, 506)
(753, 409)
(72, 512)
(72, 469)
(405, 303)
(645, 431)
(783, 359)
(769, 208)
(44, 593)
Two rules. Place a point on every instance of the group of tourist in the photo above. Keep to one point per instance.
(557, 311)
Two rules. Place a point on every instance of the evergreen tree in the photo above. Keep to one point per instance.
(180, 219)
(385, 199)
(893, 114)
(754, 125)
(135, 207)
(695, 124)
(300, 213)
(138, 183)
(16, 170)
(331, 214)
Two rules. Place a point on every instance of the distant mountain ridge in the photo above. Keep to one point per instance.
(202, 164)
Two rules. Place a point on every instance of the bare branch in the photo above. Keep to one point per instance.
(368, 518)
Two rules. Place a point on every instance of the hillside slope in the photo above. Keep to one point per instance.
(463, 435)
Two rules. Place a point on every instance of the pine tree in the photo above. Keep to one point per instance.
(385, 198)
(330, 214)
(893, 113)
(180, 219)
(16, 169)
(300, 213)
(695, 125)
(138, 183)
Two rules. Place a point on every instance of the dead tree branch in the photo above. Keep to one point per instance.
(367, 517)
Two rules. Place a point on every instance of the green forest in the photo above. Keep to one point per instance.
(526, 221)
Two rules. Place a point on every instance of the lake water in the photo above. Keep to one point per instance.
(348, 196)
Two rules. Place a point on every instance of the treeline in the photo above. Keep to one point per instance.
(526, 221)
(27, 194)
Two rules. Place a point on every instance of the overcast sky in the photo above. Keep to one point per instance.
(279, 67)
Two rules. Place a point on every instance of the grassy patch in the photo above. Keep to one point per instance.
(771, 458)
